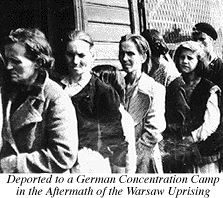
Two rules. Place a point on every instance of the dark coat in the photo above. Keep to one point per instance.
(99, 120)
(185, 109)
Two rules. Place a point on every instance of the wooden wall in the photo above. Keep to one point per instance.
(106, 21)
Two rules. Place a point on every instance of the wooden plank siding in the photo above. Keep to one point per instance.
(107, 21)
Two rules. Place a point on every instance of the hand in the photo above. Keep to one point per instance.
(8, 164)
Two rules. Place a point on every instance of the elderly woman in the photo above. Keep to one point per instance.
(102, 143)
(40, 126)
(145, 101)
(192, 114)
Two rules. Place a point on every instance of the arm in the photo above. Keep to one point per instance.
(155, 122)
(129, 132)
(211, 118)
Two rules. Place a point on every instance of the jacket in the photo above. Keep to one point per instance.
(146, 105)
(43, 131)
(99, 120)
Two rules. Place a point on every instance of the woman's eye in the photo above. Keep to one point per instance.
(69, 54)
(14, 61)
(81, 55)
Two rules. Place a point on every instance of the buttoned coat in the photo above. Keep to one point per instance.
(44, 132)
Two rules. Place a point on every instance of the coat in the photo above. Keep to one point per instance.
(99, 121)
(43, 131)
(147, 107)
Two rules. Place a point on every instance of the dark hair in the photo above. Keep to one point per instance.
(36, 44)
(141, 45)
(111, 75)
(195, 47)
(156, 41)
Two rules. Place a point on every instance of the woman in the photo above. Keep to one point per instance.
(40, 127)
(192, 112)
(101, 136)
(144, 100)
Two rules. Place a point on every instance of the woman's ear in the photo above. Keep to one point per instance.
(39, 63)
(93, 52)
(143, 58)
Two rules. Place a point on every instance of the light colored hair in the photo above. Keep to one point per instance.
(194, 47)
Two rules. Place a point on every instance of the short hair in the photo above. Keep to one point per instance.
(156, 41)
(61, 68)
(35, 43)
(196, 48)
(77, 35)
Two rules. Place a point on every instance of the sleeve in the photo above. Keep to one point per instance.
(60, 151)
(211, 118)
(129, 132)
(155, 122)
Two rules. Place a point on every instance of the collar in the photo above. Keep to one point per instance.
(35, 90)
(82, 82)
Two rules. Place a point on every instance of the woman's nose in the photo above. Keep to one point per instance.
(125, 57)
(9, 66)
(76, 60)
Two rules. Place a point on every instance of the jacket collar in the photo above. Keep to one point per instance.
(28, 112)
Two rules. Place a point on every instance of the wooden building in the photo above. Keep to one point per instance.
(105, 20)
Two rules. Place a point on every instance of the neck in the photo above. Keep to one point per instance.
(30, 80)
(75, 78)
(211, 55)
(155, 65)
(190, 78)
(131, 77)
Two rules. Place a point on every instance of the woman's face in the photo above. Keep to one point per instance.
(79, 57)
(21, 69)
(131, 60)
(187, 61)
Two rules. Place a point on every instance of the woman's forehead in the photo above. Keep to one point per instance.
(15, 49)
(79, 45)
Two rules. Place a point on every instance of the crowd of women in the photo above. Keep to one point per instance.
(155, 114)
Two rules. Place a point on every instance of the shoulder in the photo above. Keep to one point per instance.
(52, 89)
(210, 85)
(177, 82)
(149, 86)
(216, 64)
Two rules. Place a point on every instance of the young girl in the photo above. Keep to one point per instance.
(192, 113)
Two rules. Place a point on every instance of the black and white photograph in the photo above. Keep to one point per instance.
(118, 89)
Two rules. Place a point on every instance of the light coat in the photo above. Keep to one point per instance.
(44, 132)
